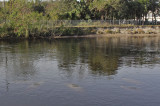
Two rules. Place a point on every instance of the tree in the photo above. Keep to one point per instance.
(22, 17)
(154, 8)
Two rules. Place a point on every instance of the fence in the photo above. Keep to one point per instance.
(86, 23)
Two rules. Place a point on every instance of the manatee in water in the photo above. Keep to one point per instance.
(129, 87)
(75, 87)
(35, 85)
(31, 85)
(21, 82)
(131, 81)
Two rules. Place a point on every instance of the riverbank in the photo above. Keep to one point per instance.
(88, 36)
(108, 35)
(78, 32)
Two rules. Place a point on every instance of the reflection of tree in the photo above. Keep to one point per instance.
(90, 53)
(100, 64)
(144, 51)
(19, 60)
(68, 52)
(102, 56)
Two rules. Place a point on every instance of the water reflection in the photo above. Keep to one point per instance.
(96, 71)
(102, 56)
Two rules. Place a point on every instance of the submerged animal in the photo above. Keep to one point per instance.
(75, 87)
(128, 87)
(35, 85)
(131, 81)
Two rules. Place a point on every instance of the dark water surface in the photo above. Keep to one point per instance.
(80, 72)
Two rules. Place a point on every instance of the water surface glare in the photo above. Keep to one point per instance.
(119, 71)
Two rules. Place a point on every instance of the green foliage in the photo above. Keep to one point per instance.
(108, 31)
(24, 17)
(140, 31)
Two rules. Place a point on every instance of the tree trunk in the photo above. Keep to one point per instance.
(113, 20)
(27, 33)
(105, 16)
(102, 17)
(143, 20)
(155, 19)
(152, 18)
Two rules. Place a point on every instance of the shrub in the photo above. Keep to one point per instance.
(151, 32)
(93, 31)
(4, 31)
(83, 24)
(109, 31)
(100, 31)
(134, 32)
(140, 31)
(117, 31)
(129, 31)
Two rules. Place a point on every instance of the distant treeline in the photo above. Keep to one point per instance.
(22, 17)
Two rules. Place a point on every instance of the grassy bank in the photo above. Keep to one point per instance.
(57, 32)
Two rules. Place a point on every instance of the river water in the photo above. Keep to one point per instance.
(115, 71)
